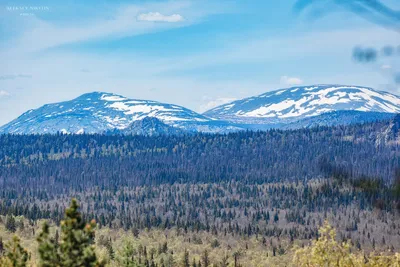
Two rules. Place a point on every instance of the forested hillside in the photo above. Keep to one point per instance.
(273, 185)
(76, 243)
(62, 162)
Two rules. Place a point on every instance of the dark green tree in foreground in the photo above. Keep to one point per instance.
(76, 248)
(15, 255)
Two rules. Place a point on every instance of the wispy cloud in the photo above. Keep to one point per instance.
(158, 17)
(4, 94)
(15, 76)
(386, 67)
(212, 103)
(117, 22)
(286, 80)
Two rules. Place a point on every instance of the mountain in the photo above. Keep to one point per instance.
(291, 108)
(293, 104)
(98, 112)
(341, 117)
(150, 126)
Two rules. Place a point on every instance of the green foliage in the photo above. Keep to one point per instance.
(185, 259)
(1, 246)
(224, 261)
(11, 224)
(16, 255)
(205, 258)
(110, 249)
(128, 256)
(215, 243)
(76, 248)
(326, 251)
(77, 239)
(49, 255)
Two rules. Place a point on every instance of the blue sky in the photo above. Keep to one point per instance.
(193, 53)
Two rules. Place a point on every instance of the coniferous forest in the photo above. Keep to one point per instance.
(250, 196)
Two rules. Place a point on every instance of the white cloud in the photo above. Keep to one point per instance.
(4, 93)
(291, 80)
(215, 102)
(121, 21)
(386, 67)
(158, 17)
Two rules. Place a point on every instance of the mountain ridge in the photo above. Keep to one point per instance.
(289, 108)
(98, 112)
(298, 102)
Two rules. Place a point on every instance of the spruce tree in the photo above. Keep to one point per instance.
(1, 246)
(76, 248)
(49, 255)
(185, 259)
(77, 239)
(15, 255)
(10, 224)
(205, 258)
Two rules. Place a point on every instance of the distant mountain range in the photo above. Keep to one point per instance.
(296, 107)
(100, 112)
(296, 103)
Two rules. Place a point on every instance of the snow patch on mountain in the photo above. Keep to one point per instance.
(98, 112)
(295, 103)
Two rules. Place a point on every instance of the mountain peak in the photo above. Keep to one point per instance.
(99, 112)
(294, 103)
(99, 95)
(96, 112)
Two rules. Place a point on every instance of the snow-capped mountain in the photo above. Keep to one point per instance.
(341, 117)
(150, 126)
(99, 112)
(296, 103)
(290, 108)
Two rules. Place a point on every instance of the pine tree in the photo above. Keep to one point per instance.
(49, 256)
(56, 239)
(205, 259)
(15, 255)
(1, 246)
(236, 256)
(170, 261)
(224, 261)
(10, 224)
(76, 248)
(185, 259)
(110, 249)
(77, 239)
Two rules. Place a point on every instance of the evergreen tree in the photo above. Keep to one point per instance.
(110, 249)
(76, 248)
(205, 258)
(1, 246)
(185, 259)
(49, 256)
(224, 261)
(10, 224)
(15, 255)
(77, 239)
